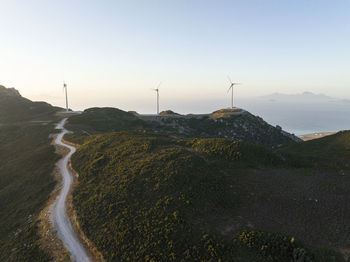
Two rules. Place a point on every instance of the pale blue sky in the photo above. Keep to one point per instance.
(111, 53)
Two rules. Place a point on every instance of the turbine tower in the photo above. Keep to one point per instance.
(157, 90)
(65, 89)
(231, 88)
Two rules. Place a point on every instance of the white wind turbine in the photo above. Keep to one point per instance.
(66, 92)
(157, 90)
(231, 88)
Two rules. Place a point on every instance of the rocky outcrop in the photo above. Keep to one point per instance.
(234, 123)
(9, 92)
(168, 113)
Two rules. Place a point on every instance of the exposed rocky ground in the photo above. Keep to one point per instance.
(233, 123)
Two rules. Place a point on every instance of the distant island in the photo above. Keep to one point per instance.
(303, 97)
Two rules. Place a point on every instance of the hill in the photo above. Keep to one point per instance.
(101, 120)
(147, 197)
(235, 124)
(15, 108)
(27, 160)
(327, 152)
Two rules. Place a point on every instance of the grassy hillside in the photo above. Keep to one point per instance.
(330, 151)
(143, 197)
(26, 162)
(15, 108)
(99, 120)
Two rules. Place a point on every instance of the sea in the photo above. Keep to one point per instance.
(302, 117)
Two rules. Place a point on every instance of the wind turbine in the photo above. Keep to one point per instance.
(231, 88)
(65, 89)
(157, 90)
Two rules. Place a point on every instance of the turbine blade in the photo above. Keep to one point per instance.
(229, 79)
(159, 85)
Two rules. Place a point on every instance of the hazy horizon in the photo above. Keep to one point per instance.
(299, 114)
(114, 52)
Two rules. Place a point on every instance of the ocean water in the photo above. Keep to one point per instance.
(302, 117)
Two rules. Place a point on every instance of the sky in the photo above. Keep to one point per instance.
(112, 53)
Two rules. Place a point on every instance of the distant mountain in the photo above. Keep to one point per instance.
(14, 107)
(302, 97)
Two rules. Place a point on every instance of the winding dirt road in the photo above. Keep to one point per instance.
(60, 218)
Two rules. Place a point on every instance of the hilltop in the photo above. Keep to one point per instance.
(15, 108)
(235, 124)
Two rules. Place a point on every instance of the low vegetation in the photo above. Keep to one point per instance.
(241, 153)
(26, 163)
(15, 108)
(101, 120)
(327, 152)
(145, 197)
(276, 247)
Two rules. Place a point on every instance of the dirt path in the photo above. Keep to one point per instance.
(60, 218)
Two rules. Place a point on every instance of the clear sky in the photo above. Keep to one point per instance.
(111, 53)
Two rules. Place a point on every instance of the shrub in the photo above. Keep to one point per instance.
(275, 247)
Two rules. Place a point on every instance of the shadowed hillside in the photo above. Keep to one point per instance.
(328, 152)
(15, 108)
(99, 120)
(26, 162)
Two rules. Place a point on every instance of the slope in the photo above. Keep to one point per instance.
(26, 162)
(15, 108)
(154, 198)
